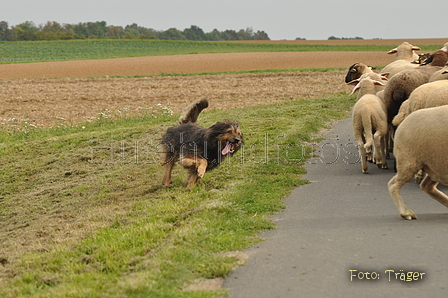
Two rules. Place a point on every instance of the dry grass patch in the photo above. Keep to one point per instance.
(52, 102)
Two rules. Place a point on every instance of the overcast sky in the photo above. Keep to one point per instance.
(280, 19)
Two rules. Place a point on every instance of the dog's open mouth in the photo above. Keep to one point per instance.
(229, 148)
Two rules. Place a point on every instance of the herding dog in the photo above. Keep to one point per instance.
(196, 148)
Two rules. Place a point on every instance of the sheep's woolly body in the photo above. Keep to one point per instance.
(395, 67)
(400, 87)
(420, 144)
(417, 99)
(441, 74)
(438, 97)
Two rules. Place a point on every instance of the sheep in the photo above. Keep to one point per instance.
(405, 51)
(418, 97)
(401, 85)
(416, 149)
(438, 58)
(438, 97)
(369, 116)
(404, 59)
(441, 74)
(357, 70)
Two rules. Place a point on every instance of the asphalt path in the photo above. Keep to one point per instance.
(344, 221)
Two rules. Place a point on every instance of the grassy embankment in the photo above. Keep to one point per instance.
(84, 215)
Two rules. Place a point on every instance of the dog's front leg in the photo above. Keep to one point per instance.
(202, 167)
(197, 169)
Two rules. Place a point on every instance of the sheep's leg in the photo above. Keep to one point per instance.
(419, 177)
(430, 187)
(383, 144)
(395, 184)
(390, 141)
(363, 154)
(380, 150)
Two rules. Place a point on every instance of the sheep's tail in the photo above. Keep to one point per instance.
(191, 113)
(367, 125)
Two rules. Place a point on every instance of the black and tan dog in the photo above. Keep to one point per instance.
(197, 148)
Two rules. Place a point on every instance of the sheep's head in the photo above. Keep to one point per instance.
(404, 47)
(357, 70)
(422, 58)
(405, 51)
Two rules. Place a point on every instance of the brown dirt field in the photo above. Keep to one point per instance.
(49, 102)
(198, 63)
(392, 42)
(51, 93)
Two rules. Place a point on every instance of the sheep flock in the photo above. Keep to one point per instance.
(403, 109)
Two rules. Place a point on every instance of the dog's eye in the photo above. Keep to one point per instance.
(229, 131)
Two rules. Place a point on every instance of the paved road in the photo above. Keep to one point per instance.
(345, 220)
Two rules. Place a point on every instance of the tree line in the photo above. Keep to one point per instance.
(100, 30)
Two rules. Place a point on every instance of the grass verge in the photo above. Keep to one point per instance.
(83, 213)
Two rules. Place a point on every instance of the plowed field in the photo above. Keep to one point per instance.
(53, 93)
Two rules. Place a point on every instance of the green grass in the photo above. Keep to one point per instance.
(83, 213)
(40, 51)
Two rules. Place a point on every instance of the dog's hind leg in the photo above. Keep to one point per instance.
(167, 176)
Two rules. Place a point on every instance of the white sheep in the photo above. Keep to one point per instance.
(403, 60)
(441, 74)
(438, 97)
(401, 85)
(405, 51)
(370, 123)
(416, 149)
(417, 100)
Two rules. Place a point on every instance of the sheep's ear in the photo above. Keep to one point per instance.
(354, 82)
(357, 87)
(415, 48)
(384, 77)
(393, 51)
(378, 83)
(384, 74)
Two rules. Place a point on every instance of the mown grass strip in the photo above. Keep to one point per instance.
(41, 51)
(83, 213)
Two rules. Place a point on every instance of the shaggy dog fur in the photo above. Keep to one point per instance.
(196, 148)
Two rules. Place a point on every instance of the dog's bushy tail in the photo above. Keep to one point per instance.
(192, 112)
